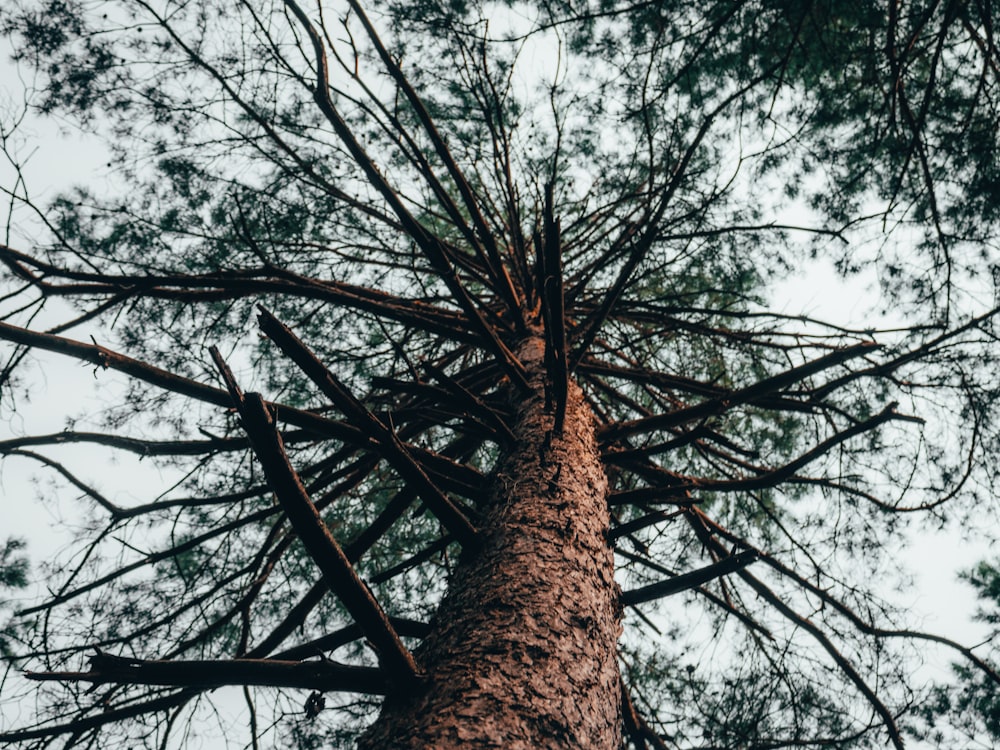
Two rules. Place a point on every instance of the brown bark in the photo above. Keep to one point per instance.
(522, 652)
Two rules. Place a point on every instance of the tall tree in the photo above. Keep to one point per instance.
(523, 384)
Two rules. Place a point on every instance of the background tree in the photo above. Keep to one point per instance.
(969, 713)
(510, 264)
(13, 575)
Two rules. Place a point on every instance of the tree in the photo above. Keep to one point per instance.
(13, 575)
(970, 713)
(510, 266)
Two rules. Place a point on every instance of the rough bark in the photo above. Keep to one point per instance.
(522, 652)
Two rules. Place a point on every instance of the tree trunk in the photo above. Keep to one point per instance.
(522, 652)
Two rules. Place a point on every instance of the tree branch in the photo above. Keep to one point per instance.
(322, 547)
(717, 405)
(685, 581)
(389, 443)
(320, 675)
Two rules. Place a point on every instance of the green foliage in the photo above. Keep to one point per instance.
(965, 711)
(13, 567)
(670, 142)
(13, 575)
(985, 579)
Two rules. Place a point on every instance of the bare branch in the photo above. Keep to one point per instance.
(729, 564)
(390, 445)
(323, 675)
(315, 536)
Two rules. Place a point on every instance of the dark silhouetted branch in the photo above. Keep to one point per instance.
(104, 717)
(551, 293)
(322, 547)
(685, 581)
(768, 478)
(697, 522)
(389, 443)
(636, 727)
(323, 675)
(431, 246)
(710, 407)
(478, 406)
(483, 236)
(102, 357)
(333, 641)
(236, 284)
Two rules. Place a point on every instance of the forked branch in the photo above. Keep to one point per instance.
(340, 575)
(390, 446)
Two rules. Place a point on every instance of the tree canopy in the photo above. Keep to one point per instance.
(364, 211)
